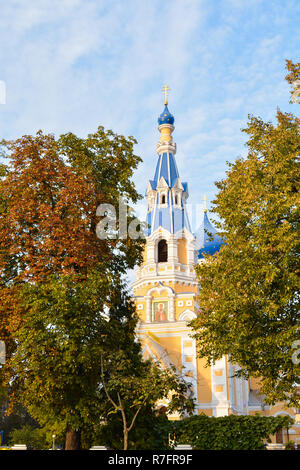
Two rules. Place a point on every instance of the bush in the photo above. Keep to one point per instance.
(228, 432)
(150, 433)
(34, 438)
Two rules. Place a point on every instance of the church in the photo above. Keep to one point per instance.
(165, 293)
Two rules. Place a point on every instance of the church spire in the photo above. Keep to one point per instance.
(166, 193)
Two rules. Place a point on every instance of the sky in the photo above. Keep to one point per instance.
(72, 65)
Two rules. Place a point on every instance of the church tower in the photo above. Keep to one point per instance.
(165, 289)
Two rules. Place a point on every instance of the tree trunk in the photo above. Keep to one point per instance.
(125, 434)
(73, 439)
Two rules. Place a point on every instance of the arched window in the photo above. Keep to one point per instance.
(162, 251)
(176, 199)
(163, 199)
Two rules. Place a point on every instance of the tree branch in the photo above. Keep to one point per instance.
(105, 388)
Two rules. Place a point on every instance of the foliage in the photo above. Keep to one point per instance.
(33, 438)
(16, 420)
(150, 432)
(61, 343)
(293, 78)
(228, 432)
(57, 278)
(290, 445)
(249, 291)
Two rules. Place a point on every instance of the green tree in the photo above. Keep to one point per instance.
(249, 291)
(150, 432)
(133, 386)
(56, 365)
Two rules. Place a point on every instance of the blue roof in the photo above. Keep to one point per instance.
(166, 117)
(171, 217)
(209, 239)
(166, 167)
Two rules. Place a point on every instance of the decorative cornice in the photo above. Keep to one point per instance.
(162, 147)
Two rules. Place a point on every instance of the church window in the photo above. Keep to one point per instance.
(162, 251)
(163, 199)
(176, 199)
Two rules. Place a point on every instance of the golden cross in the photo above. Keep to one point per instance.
(165, 89)
(204, 202)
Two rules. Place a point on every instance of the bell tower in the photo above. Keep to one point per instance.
(165, 288)
(170, 252)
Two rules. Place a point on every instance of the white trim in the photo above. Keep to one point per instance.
(278, 413)
(187, 315)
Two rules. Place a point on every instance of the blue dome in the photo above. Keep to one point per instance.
(166, 117)
(211, 241)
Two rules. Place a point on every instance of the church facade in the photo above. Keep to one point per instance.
(166, 288)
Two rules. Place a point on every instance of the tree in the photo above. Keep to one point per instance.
(249, 291)
(57, 278)
(131, 386)
(293, 78)
(150, 431)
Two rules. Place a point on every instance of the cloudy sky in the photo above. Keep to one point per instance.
(71, 65)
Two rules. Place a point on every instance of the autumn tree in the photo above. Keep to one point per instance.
(249, 291)
(57, 278)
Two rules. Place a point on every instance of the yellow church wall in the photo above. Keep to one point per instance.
(142, 314)
(162, 296)
(181, 288)
(205, 412)
(203, 382)
(141, 291)
(182, 257)
(172, 346)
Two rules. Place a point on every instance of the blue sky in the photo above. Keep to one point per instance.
(71, 65)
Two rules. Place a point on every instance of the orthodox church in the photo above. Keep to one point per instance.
(165, 290)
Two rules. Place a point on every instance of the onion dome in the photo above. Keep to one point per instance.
(210, 241)
(166, 117)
